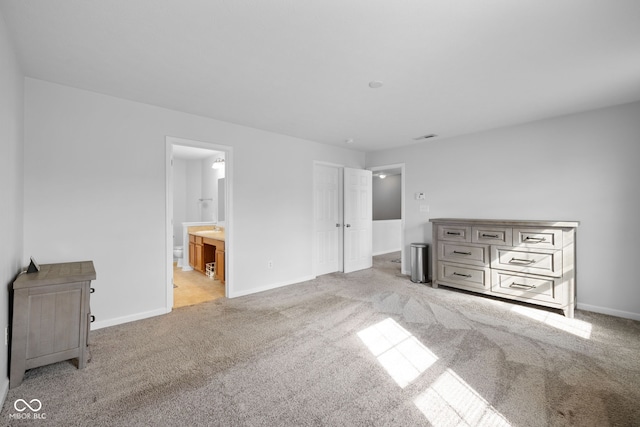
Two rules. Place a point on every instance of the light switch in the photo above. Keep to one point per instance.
(420, 196)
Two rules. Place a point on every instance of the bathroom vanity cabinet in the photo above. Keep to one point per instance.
(200, 253)
(206, 247)
(51, 317)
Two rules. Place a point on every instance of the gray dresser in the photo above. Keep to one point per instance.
(530, 261)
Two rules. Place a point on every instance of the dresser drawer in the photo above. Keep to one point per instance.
(469, 277)
(491, 235)
(466, 254)
(524, 288)
(537, 238)
(454, 233)
(545, 263)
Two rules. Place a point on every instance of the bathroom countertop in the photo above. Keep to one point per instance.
(209, 234)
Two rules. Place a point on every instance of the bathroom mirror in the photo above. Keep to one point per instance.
(221, 200)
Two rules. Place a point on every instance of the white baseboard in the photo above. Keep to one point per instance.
(4, 386)
(127, 319)
(269, 287)
(139, 316)
(387, 252)
(609, 311)
(4, 391)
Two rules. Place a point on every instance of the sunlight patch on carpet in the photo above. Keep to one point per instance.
(399, 352)
(576, 327)
(450, 401)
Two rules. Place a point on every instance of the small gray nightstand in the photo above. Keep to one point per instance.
(51, 317)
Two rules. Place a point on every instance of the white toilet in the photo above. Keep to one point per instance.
(177, 255)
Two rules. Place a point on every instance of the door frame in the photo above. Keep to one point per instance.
(170, 141)
(402, 208)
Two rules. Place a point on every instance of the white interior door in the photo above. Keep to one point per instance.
(327, 219)
(358, 224)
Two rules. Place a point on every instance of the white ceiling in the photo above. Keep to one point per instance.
(302, 68)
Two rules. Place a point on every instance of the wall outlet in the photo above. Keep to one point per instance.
(424, 208)
(270, 264)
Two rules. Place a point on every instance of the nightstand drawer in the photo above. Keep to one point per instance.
(464, 276)
(525, 288)
(466, 254)
(454, 233)
(530, 261)
(537, 238)
(491, 235)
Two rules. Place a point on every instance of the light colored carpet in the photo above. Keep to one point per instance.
(367, 348)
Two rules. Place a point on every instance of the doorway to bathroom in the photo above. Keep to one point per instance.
(198, 180)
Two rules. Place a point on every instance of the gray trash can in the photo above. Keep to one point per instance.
(419, 262)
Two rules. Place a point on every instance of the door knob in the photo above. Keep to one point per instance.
(347, 225)
(337, 225)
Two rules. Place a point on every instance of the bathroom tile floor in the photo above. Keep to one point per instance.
(194, 287)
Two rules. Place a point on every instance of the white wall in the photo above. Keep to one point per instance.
(11, 185)
(387, 197)
(194, 179)
(387, 236)
(580, 167)
(194, 190)
(85, 200)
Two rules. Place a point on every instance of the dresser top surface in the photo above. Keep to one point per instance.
(53, 274)
(507, 222)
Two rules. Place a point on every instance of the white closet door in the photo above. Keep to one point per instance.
(327, 219)
(358, 223)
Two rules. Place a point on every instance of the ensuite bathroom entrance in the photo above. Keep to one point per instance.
(198, 212)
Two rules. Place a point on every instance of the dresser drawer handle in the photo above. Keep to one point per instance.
(521, 285)
(521, 261)
(453, 233)
(462, 253)
(493, 236)
(462, 275)
(535, 239)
